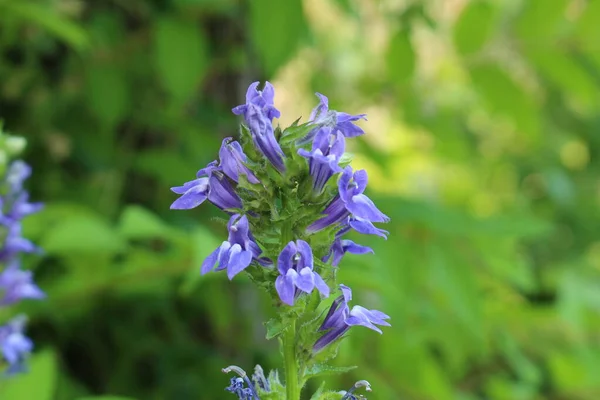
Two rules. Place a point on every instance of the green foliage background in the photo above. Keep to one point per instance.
(482, 146)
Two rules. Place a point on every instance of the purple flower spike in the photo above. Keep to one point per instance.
(295, 264)
(259, 113)
(233, 161)
(16, 284)
(15, 346)
(327, 149)
(336, 120)
(237, 252)
(343, 246)
(340, 318)
(350, 201)
(210, 183)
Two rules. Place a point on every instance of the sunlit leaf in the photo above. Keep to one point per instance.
(276, 28)
(400, 58)
(180, 55)
(474, 26)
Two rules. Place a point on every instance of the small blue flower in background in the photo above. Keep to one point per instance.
(295, 264)
(14, 344)
(15, 284)
(259, 112)
(340, 318)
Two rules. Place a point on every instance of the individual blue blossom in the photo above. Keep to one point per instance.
(338, 121)
(327, 149)
(259, 112)
(15, 346)
(210, 183)
(361, 226)
(14, 243)
(349, 201)
(240, 385)
(237, 252)
(17, 173)
(341, 318)
(237, 386)
(295, 264)
(233, 161)
(342, 246)
(16, 284)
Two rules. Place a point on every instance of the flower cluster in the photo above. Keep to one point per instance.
(15, 283)
(292, 197)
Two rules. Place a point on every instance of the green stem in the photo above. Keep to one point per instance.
(292, 388)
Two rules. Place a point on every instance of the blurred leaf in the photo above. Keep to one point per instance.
(587, 26)
(569, 76)
(167, 167)
(139, 223)
(539, 20)
(474, 26)
(400, 58)
(38, 383)
(108, 93)
(180, 55)
(81, 233)
(504, 96)
(105, 398)
(48, 19)
(276, 28)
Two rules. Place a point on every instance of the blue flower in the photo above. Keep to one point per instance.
(237, 386)
(295, 264)
(340, 319)
(16, 284)
(342, 246)
(210, 183)
(233, 161)
(350, 201)
(259, 112)
(15, 346)
(338, 121)
(327, 149)
(237, 252)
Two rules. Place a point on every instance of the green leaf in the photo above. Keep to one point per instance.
(293, 133)
(569, 76)
(274, 328)
(540, 20)
(319, 391)
(38, 383)
(323, 370)
(400, 58)
(107, 93)
(180, 55)
(276, 28)
(48, 19)
(474, 27)
(82, 233)
(139, 223)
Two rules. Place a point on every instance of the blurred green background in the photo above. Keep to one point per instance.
(482, 146)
